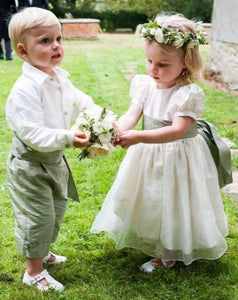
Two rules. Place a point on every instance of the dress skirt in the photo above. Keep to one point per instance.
(166, 202)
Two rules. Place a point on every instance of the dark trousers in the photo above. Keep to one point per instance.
(5, 15)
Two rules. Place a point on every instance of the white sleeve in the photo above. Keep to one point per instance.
(25, 117)
(189, 101)
(82, 100)
(139, 89)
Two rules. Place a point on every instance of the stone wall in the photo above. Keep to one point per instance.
(224, 60)
(224, 41)
(81, 29)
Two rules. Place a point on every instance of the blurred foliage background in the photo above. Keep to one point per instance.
(129, 13)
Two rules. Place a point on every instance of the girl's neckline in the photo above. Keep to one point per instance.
(165, 89)
(162, 89)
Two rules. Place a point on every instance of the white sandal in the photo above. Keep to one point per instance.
(150, 266)
(58, 259)
(35, 281)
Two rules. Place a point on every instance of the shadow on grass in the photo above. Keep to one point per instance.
(6, 278)
(116, 275)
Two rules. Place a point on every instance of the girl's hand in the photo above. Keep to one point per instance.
(129, 138)
(118, 132)
(80, 139)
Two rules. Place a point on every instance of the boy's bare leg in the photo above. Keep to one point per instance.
(34, 267)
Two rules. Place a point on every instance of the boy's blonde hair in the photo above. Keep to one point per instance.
(192, 58)
(29, 18)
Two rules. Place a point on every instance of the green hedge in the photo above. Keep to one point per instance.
(108, 21)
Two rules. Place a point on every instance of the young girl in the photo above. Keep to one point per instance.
(166, 199)
(39, 110)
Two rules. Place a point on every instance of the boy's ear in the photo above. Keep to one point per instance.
(21, 51)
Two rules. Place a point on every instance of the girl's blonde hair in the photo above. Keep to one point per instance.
(192, 57)
(27, 19)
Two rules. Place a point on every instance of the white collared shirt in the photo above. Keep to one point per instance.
(40, 108)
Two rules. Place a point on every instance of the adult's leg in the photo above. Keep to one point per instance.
(8, 48)
(1, 51)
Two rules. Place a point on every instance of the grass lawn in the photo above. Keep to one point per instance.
(94, 269)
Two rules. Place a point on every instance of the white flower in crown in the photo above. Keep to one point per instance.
(192, 44)
(179, 41)
(201, 35)
(159, 37)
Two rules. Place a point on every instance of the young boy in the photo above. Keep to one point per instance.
(39, 110)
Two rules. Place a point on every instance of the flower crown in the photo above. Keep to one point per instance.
(174, 38)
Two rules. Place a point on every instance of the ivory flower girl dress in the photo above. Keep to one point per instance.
(165, 200)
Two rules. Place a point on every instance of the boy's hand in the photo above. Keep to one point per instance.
(80, 140)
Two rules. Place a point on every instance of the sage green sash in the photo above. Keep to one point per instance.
(219, 150)
(151, 123)
(22, 151)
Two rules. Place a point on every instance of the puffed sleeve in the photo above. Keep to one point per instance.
(139, 89)
(188, 101)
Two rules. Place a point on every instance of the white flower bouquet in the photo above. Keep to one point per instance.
(96, 122)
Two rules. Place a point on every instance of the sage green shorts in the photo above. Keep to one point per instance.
(38, 193)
